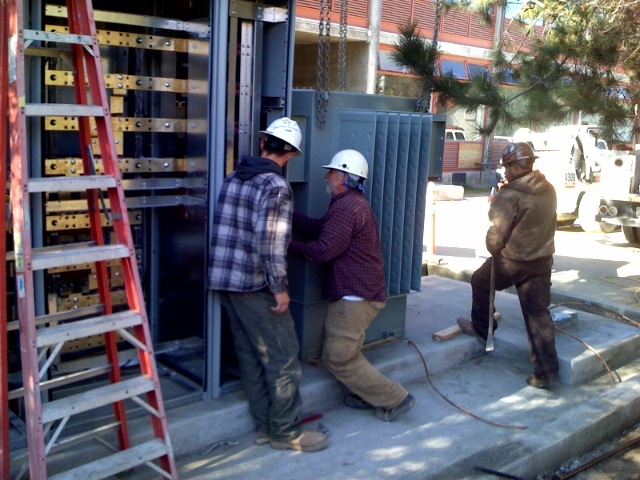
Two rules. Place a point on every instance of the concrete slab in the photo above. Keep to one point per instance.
(472, 409)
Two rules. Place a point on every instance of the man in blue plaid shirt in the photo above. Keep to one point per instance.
(248, 267)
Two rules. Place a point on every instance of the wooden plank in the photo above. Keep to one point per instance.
(446, 334)
(454, 331)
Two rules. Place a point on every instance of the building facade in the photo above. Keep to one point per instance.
(465, 40)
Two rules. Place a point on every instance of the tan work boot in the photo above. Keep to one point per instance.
(308, 441)
(262, 438)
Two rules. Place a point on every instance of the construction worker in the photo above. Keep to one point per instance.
(347, 239)
(248, 267)
(520, 239)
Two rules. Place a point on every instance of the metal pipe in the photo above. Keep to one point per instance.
(375, 13)
(431, 225)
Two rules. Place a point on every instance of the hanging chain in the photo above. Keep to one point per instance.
(324, 44)
(342, 47)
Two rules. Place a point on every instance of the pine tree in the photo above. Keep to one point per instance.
(587, 61)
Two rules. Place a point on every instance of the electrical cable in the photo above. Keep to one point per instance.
(477, 417)
(597, 309)
(633, 278)
(561, 330)
(606, 366)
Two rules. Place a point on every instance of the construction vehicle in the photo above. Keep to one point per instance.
(572, 158)
(189, 84)
(620, 197)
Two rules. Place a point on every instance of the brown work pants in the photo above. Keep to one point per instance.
(533, 284)
(345, 327)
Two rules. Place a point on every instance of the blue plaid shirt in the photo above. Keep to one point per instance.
(251, 229)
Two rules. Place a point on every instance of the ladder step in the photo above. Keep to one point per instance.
(71, 184)
(74, 254)
(63, 110)
(116, 463)
(71, 38)
(96, 398)
(84, 328)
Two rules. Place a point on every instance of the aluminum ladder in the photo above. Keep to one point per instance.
(42, 337)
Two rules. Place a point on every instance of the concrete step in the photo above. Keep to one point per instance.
(588, 347)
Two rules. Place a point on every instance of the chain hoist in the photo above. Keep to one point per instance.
(342, 47)
(324, 44)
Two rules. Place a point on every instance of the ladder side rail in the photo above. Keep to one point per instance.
(84, 15)
(4, 339)
(82, 68)
(21, 224)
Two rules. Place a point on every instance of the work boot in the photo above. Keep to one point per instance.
(262, 438)
(467, 328)
(545, 383)
(354, 401)
(392, 414)
(307, 441)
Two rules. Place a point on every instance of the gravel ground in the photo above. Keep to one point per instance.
(624, 465)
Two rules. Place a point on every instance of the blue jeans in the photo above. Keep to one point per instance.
(267, 348)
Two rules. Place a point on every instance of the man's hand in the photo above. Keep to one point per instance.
(282, 302)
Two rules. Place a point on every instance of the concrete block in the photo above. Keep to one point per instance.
(448, 192)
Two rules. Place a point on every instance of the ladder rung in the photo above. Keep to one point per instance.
(116, 463)
(96, 398)
(71, 184)
(84, 328)
(72, 38)
(74, 254)
(63, 110)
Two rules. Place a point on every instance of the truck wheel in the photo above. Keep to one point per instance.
(608, 227)
(632, 234)
(587, 210)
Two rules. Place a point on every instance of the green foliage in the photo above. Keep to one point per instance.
(577, 66)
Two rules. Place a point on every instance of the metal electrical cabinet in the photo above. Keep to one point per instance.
(404, 149)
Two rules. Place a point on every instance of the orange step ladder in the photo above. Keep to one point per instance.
(4, 353)
(42, 337)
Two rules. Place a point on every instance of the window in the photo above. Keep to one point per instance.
(508, 77)
(478, 70)
(457, 69)
(386, 62)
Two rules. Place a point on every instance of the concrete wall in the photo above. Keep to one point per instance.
(305, 72)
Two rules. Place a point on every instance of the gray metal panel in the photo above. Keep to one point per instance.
(412, 182)
(437, 147)
(427, 139)
(399, 145)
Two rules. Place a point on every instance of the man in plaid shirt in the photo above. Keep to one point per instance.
(247, 265)
(347, 238)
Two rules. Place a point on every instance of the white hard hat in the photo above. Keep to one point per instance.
(349, 161)
(286, 130)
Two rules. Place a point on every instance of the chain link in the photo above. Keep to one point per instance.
(324, 46)
(342, 47)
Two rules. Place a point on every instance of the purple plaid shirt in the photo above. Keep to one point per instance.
(346, 237)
